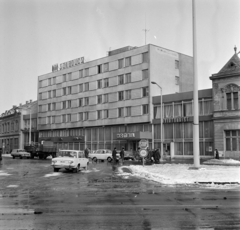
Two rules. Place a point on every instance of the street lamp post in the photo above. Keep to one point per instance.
(161, 119)
(30, 125)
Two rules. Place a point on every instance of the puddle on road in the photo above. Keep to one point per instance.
(52, 174)
(2, 173)
(12, 186)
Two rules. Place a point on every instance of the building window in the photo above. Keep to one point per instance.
(49, 81)
(54, 80)
(99, 99)
(68, 117)
(176, 64)
(69, 103)
(145, 92)
(120, 96)
(69, 89)
(106, 67)
(128, 111)
(86, 101)
(53, 106)
(49, 120)
(128, 94)
(64, 105)
(64, 118)
(64, 90)
(64, 77)
(86, 71)
(176, 80)
(86, 86)
(105, 113)
(120, 63)
(69, 76)
(145, 74)
(145, 109)
(40, 96)
(54, 93)
(232, 100)
(80, 88)
(49, 107)
(127, 61)
(80, 102)
(120, 79)
(80, 116)
(106, 82)
(128, 78)
(49, 94)
(120, 112)
(80, 73)
(99, 84)
(232, 140)
(53, 119)
(99, 114)
(145, 57)
(105, 98)
(99, 69)
(40, 108)
(86, 116)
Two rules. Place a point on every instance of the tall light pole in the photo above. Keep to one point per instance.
(161, 119)
(30, 124)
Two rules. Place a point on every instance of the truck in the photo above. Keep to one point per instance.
(41, 150)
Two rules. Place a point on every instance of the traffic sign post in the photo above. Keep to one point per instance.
(143, 145)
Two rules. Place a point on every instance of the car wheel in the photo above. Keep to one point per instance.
(94, 159)
(20, 157)
(109, 159)
(55, 169)
(13, 157)
(76, 170)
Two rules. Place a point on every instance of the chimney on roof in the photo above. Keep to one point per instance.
(30, 101)
(235, 49)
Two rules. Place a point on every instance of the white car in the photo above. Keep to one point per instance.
(72, 160)
(102, 154)
(20, 153)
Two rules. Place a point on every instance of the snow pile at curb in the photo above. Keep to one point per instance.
(181, 174)
(222, 162)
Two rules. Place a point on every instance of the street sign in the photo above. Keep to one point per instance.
(143, 144)
(143, 153)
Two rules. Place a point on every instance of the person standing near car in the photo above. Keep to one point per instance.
(86, 152)
(114, 155)
(122, 155)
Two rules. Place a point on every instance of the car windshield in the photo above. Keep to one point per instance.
(66, 154)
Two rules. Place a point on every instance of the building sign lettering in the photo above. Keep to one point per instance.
(72, 63)
(175, 119)
(54, 67)
(125, 135)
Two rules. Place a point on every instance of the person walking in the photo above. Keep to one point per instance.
(114, 155)
(122, 155)
(86, 152)
(217, 154)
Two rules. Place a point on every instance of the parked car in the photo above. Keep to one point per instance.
(71, 160)
(21, 153)
(102, 154)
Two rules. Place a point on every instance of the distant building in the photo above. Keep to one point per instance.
(107, 102)
(14, 126)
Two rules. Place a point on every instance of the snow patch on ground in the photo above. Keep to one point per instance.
(12, 186)
(53, 174)
(171, 174)
(93, 170)
(2, 173)
(222, 162)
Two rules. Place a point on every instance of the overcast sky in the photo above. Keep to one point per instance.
(35, 34)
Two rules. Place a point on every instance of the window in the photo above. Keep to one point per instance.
(232, 100)
(128, 111)
(176, 80)
(86, 116)
(145, 92)
(105, 98)
(145, 109)
(128, 94)
(64, 118)
(86, 86)
(80, 116)
(40, 96)
(99, 69)
(64, 105)
(80, 88)
(99, 84)
(49, 94)
(106, 82)
(176, 64)
(120, 96)
(40, 108)
(127, 61)
(86, 101)
(145, 57)
(99, 99)
(64, 90)
(54, 93)
(69, 89)
(54, 80)
(120, 63)
(145, 74)
(68, 118)
(64, 77)
(80, 102)
(69, 76)
(128, 78)
(69, 104)
(86, 71)
(232, 140)
(54, 106)
(120, 79)
(120, 112)
(235, 100)
(99, 114)
(105, 113)
(106, 67)
(53, 119)
(49, 107)
(49, 81)
(80, 73)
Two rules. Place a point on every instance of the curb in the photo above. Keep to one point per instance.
(219, 183)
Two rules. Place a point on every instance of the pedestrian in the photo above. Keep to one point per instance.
(157, 156)
(86, 152)
(114, 155)
(122, 155)
(217, 154)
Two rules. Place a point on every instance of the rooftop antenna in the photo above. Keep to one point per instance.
(145, 30)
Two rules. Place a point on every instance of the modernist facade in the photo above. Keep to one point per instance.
(107, 102)
(15, 124)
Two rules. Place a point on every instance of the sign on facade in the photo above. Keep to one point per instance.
(143, 144)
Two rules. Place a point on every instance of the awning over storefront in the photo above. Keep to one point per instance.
(132, 135)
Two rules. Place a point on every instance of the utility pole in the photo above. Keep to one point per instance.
(145, 31)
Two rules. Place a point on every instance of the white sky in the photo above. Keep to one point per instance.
(35, 34)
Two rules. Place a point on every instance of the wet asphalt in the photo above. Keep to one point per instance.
(32, 196)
